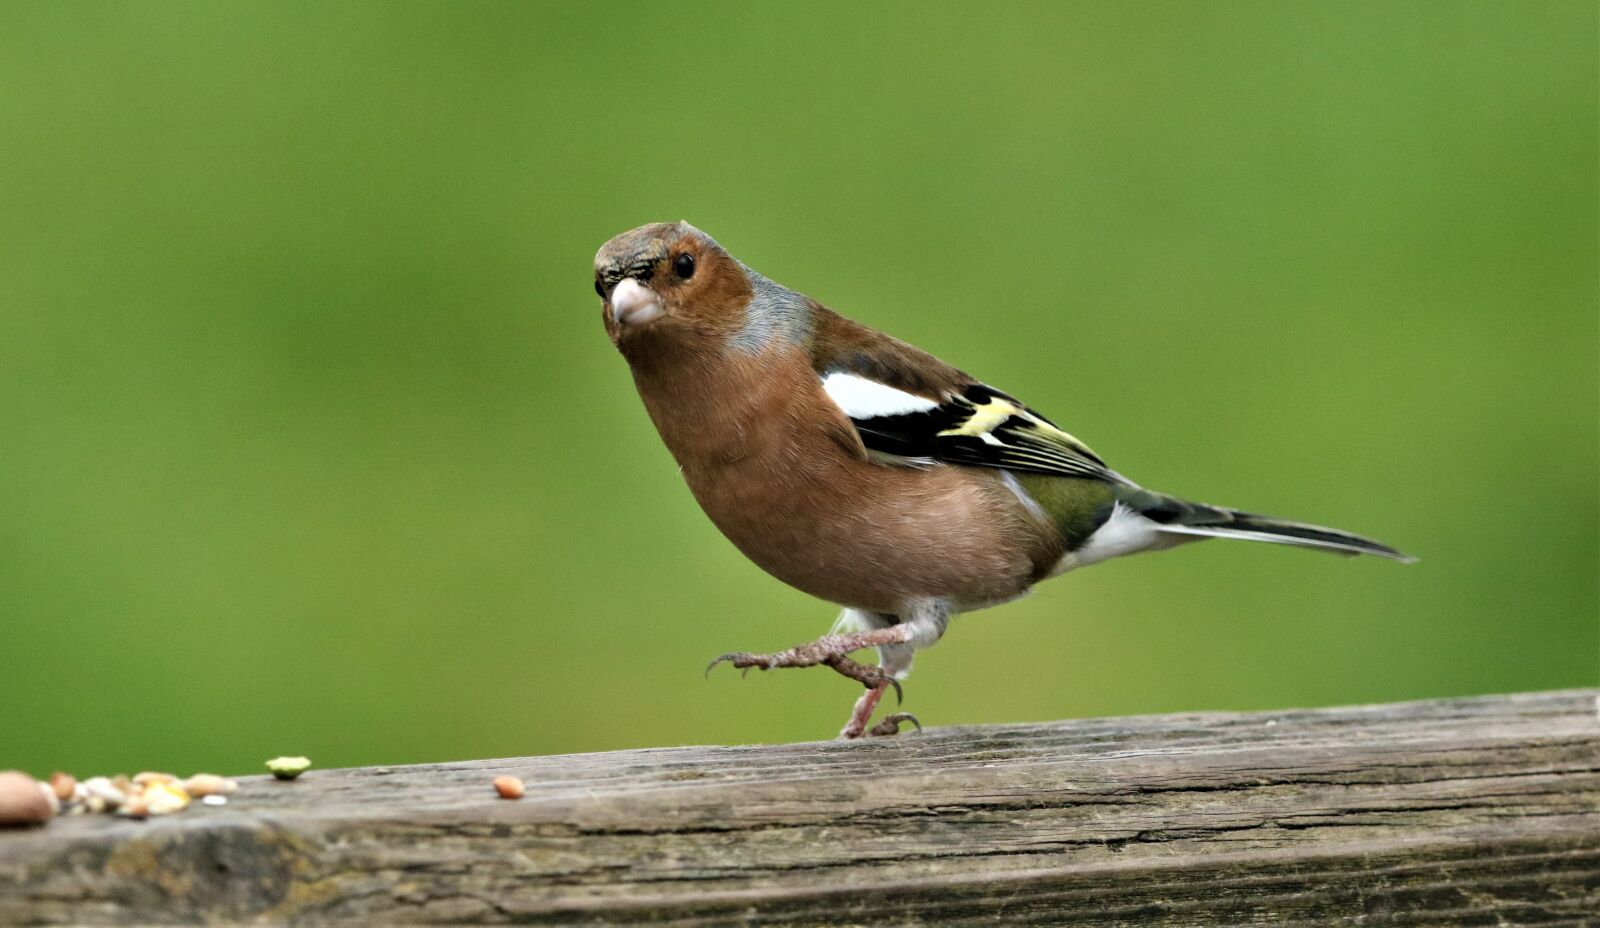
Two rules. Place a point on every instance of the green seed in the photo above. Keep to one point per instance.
(287, 768)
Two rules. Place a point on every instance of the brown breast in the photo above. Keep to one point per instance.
(780, 471)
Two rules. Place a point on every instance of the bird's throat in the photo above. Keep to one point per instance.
(710, 406)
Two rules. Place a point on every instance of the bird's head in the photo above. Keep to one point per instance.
(669, 281)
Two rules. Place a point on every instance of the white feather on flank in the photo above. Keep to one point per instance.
(853, 620)
(1126, 532)
(861, 398)
(900, 460)
(1026, 499)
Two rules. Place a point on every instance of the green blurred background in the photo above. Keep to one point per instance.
(311, 440)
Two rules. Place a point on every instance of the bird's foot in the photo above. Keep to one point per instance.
(890, 725)
(862, 713)
(831, 650)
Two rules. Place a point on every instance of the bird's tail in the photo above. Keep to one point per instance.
(1179, 517)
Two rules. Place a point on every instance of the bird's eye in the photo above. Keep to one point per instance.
(600, 288)
(683, 266)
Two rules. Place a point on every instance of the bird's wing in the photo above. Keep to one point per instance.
(972, 424)
(911, 408)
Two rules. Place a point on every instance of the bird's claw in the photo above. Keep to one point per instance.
(869, 677)
(741, 660)
(891, 725)
(833, 652)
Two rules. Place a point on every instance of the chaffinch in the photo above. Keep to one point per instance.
(866, 472)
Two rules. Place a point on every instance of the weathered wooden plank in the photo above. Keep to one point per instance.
(1469, 811)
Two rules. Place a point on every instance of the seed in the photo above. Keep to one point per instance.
(208, 784)
(165, 798)
(215, 799)
(135, 807)
(150, 776)
(508, 787)
(103, 795)
(22, 801)
(49, 798)
(63, 785)
(287, 768)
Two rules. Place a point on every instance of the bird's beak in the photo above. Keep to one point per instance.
(632, 303)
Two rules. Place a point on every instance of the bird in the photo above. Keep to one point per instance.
(868, 473)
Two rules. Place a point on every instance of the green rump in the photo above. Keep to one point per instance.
(1078, 505)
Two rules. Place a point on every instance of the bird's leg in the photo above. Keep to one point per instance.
(895, 637)
(832, 650)
(893, 659)
(862, 713)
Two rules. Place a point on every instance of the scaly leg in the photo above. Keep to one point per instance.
(862, 713)
(896, 640)
(832, 650)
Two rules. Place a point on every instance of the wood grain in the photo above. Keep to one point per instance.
(1465, 811)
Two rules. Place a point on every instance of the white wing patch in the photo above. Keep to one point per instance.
(977, 427)
(861, 398)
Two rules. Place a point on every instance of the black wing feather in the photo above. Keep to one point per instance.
(982, 427)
